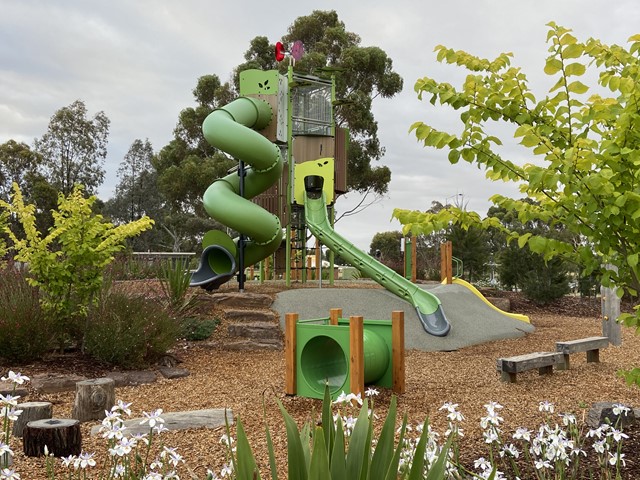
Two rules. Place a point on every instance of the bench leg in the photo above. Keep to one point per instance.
(565, 365)
(593, 356)
(545, 370)
(508, 377)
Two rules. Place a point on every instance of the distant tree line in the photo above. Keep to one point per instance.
(489, 260)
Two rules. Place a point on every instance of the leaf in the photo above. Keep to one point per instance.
(245, 462)
(272, 456)
(383, 454)
(632, 260)
(338, 463)
(327, 419)
(522, 240)
(574, 69)
(438, 469)
(319, 466)
(573, 51)
(454, 156)
(577, 87)
(553, 66)
(297, 468)
(358, 454)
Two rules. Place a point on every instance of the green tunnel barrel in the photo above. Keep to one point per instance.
(323, 356)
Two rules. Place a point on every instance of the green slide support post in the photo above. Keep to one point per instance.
(427, 305)
(232, 130)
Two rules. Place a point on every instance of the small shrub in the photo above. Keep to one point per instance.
(195, 329)
(175, 279)
(128, 331)
(25, 331)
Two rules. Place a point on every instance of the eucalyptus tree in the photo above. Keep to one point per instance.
(74, 148)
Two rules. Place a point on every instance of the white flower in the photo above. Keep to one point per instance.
(600, 446)
(490, 436)
(617, 434)
(482, 464)
(568, 419)
(173, 456)
(152, 418)
(371, 392)
(160, 428)
(9, 400)
(122, 407)
(85, 460)
(16, 378)
(491, 406)
(546, 407)
(9, 474)
(5, 449)
(226, 439)
(522, 434)
(227, 470)
(68, 461)
(342, 398)
(540, 464)
(614, 459)
(511, 450)
(619, 409)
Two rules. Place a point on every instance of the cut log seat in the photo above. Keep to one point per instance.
(591, 345)
(544, 361)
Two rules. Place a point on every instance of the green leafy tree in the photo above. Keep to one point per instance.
(67, 263)
(585, 175)
(18, 164)
(74, 148)
(385, 246)
(137, 195)
(188, 165)
(362, 74)
(520, 268)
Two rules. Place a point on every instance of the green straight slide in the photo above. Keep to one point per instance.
(232, 130)
(427, 305)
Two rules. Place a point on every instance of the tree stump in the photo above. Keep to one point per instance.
(93, 397)
(61, 436)
(31, 411)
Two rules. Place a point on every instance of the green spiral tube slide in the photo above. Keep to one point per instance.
(232, 130)
(427, 305)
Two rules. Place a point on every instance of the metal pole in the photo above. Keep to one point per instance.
(241, 239)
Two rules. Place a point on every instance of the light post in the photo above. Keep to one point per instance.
(446, 200)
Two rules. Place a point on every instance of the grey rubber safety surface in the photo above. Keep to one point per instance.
(472, 321)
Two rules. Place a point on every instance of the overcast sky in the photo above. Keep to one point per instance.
(138, 61)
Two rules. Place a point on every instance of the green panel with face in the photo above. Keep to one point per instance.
(259, 82)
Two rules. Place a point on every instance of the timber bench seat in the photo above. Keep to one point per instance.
(591, 345)
(544, 361)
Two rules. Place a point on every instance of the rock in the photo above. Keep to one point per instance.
(503, 304)
(602, 412)
(238, 300)
(173, 372)
(261, 331)
(6, 388)
(54, 383)
(250, 316)
(252, 345)
(133, 377)
(211, 418)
